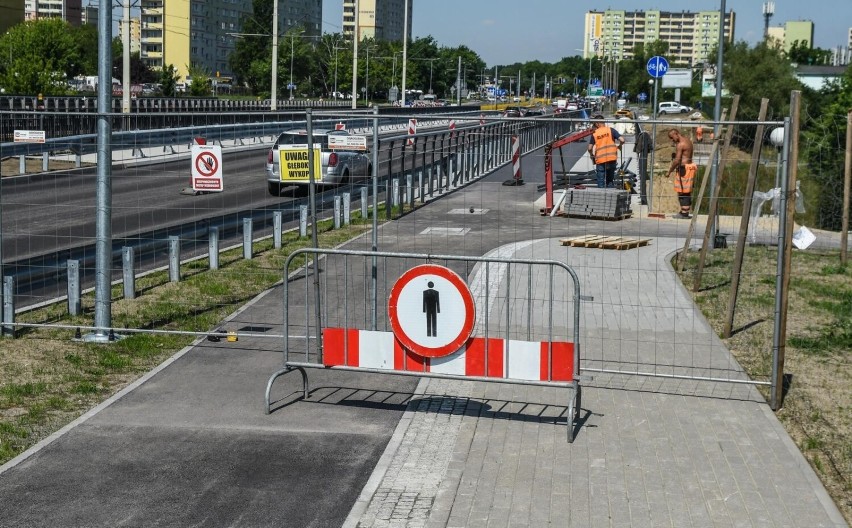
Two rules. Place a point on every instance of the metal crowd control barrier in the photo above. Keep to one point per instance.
(518, 323)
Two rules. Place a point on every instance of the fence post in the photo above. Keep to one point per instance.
(303, 220)
(337, 212)
(247, 234)
(174, 259)
(22, 164)
(8, 328)
(276, 229)
(347, 208)
(73, 271)
(395, 193)
(364, 203)
(128, 272)
(213, 247)
(409, 190)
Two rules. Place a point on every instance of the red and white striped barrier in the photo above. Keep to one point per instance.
(452, 127)
(481, 119)
(412, 129)
(521, 360)
(516, 158)
(340, 126)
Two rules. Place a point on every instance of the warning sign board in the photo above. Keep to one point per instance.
(431, 311)
(207, 168)
(347, 142)
(293, 162)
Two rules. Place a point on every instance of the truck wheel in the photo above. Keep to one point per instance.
(274, 188)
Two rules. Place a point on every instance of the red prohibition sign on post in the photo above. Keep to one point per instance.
(206, 164)
(431, 310)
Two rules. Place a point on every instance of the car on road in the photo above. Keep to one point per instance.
(624, 113)
(513, 111)
(532, 112)
(338, 165)
(671, 107)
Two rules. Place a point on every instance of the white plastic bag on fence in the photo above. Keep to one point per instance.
(760, 199)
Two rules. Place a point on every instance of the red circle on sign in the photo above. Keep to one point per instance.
(467, 299)
(206, 164)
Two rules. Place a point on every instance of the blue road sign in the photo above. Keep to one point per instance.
(643, 97)
(657, 66)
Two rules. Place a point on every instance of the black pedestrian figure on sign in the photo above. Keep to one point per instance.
(431, 307)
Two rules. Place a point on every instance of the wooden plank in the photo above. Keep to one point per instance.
(635, 243)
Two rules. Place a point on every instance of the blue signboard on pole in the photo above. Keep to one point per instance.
(657, 66)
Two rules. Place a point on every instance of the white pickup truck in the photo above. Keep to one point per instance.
(343, 162)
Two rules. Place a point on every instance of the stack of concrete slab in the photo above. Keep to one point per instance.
(591, 202)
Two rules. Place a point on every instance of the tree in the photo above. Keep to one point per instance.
(168, 80)
(755, 73)
(801, 53)
(200, 86)
(823, 145)
(139, 71)
(43, 53)
(251, 59)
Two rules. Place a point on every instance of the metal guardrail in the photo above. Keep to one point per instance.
(137, 139)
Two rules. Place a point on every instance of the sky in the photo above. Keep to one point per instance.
(509, 31)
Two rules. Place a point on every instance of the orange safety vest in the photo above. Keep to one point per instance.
(685, 178)
(605, 148)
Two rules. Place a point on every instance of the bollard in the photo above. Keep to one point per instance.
(44, 162)
(303, 220)
(213, 247)
(363, 203)
(276, 229)
(336, 221)
(409, 190)
(74, 290)
(128, 272)
(347, 206)
(8, 328)
(395, 193)
(22, 164)
(174, 259)
(247, 247)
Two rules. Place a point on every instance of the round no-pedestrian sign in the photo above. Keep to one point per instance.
(431, 310)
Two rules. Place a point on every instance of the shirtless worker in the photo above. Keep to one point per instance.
(684, 170)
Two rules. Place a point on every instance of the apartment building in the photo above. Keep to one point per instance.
(90, 14)
(378, 19)
(68, 10)
(801, 31)
(11, 13)
(185, 32)
(691, 36)
(135, 34)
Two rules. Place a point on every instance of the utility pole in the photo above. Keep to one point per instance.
(273, 104)
(355, 38)
(125, 39)
(404, 49)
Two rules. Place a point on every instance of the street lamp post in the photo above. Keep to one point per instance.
(292, 40)
(273, 105)
(589, 80)
(335, 70)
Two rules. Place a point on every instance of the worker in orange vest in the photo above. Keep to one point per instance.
(603, 149)
(684, 170)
